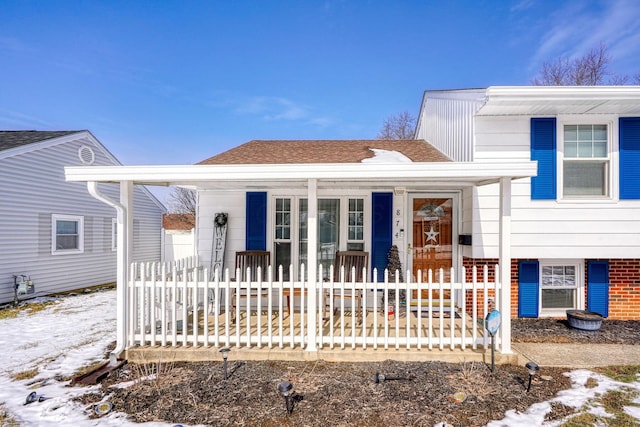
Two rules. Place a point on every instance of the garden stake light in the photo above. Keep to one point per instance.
(533, 368)
(380, 378)
(285, 388)
(225, 352)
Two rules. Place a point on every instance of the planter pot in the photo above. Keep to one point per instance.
(585, 320)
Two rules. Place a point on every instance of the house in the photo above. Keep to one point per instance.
(575, 229)
(520, 197)
(178, 237)
(54, 235)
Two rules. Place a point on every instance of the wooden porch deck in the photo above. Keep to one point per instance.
(340, 337)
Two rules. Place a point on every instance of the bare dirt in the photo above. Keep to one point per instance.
(346, 394)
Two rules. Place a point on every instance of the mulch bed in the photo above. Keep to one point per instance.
(346, 394)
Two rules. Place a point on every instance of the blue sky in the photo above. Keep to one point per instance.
(174, 82)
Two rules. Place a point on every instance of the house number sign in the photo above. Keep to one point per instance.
(398, 224)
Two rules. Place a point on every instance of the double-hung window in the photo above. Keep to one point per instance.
(282, 237)
(586, 161)
(355, 239)
(560, 287)
(67, 234)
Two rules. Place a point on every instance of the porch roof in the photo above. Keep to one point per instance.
(443, 174)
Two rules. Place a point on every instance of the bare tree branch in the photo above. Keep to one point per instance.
(555, 73)
(182, 200)
(588, 70)
(398, 126)
(620, 80)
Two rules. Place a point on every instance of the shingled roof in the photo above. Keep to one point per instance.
(17, 138)
(323, 151)
(178, 221)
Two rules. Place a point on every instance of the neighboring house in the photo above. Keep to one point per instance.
(178, 237)
(575, 227)
(52, 231)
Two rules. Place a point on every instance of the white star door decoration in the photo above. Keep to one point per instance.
(432, 235)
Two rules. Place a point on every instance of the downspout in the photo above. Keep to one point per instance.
(121, 279)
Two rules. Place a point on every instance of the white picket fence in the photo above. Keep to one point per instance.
(172, 305)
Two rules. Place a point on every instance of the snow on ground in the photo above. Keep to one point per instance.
(75, 332)
(58, 340)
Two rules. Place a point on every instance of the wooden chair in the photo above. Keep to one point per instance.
(249, 262)
(349, 260)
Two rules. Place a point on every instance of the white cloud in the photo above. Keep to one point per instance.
(274, 108)
(16, 120)
(580, 26)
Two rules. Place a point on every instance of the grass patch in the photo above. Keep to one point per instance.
(624, 374)
(591, 383)
(7, 420)
(25, 375)
(29, 308)
(613, 402)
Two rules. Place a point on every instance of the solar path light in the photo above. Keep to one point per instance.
(225, 353)
(380, 378)
(285, 388)
(533, 368)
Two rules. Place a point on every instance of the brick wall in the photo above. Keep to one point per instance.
(624, 289)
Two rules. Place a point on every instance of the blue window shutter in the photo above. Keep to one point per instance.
(381, 231)
(598, 287)
(256, 226)
(528, 288)
(629, 157)
(543, 149)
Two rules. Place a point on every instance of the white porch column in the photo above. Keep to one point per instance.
(505, 264)
(312, 261)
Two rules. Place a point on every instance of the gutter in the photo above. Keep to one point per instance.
(92, 187)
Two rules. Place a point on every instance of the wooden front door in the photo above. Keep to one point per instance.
(432, 236)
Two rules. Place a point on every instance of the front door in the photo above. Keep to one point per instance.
(432, 238)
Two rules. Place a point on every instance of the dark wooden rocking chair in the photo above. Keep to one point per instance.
(350, 260)
(249, 263)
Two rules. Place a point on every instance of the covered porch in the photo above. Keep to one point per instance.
(307, 329)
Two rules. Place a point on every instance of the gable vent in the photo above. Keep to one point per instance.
(86, 155)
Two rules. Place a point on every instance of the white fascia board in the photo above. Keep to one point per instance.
(554, 100)
(550, 93)
(177, 174)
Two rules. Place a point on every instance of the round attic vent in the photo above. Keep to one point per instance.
(86, 155)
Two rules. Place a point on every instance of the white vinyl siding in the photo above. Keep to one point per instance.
(586, 228)
(446, 121)
(33, 189)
